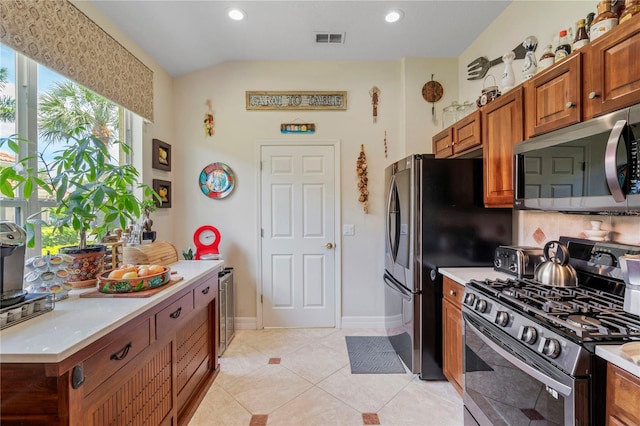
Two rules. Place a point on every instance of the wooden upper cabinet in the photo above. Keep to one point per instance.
(466, 134)
(553, 97)
(462, 137)
(502, 127)
(612, 79)
(443, 143)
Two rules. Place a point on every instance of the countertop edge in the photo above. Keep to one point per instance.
(32, 357)
(463, 275)
(613, 354)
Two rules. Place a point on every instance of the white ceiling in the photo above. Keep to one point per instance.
(185, 36)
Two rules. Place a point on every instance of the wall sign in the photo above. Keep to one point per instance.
(326, 100)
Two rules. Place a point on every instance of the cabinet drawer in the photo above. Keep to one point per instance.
(452, 291)
(174, 314)
(119, 352)
(205, 293)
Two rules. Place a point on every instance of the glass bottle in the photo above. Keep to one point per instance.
(604, 21)
(581, 35)
(564, 46)
(547, 59)
(631, 7)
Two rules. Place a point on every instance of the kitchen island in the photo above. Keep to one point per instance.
(115, 360)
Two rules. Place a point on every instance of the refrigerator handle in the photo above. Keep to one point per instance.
(393, 248)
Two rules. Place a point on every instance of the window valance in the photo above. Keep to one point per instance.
(59, 36)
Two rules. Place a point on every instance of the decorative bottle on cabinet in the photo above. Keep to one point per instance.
(508, 77)
(547, 59)
(581, 35)
(604, 21)
(530, 65)
(564, 46)
(631, 7)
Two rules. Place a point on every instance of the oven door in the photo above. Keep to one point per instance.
(507, 384)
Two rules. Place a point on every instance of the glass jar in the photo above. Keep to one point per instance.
(604, 21)
(631, 7)
(547, 58)
(465, 109)
(450, 114)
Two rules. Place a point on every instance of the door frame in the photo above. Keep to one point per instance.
(335, 143)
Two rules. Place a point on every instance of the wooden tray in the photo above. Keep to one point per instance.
(144, 293)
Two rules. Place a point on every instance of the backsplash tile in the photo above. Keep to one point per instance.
(535, 228)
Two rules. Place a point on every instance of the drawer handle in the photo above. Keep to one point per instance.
(570, 105)
(176, 313)
(593, 95)
(121, 354)
(206, 290)
(452, 292)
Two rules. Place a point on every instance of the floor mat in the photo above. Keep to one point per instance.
(373, 355)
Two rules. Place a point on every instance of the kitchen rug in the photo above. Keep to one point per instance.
(373, 355)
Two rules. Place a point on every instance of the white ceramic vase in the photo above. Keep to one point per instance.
(508, 76)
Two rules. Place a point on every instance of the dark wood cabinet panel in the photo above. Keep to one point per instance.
(466, 134)
(502, 127)
(443, 143)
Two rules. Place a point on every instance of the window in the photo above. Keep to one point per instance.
(61, 105)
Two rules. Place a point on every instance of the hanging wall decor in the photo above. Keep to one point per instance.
(385, 144)
(217, 180)
(297, 128)
(208, 119)
(361, 170)
(375, 97)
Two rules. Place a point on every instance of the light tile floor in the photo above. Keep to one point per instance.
(302, 377)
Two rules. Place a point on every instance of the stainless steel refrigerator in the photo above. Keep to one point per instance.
(435, 218)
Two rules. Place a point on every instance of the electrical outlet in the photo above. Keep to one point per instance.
(348, 229)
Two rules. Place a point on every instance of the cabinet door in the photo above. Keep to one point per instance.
(623, 392)
(553, 97)
(613, 80)
(443, 143)
(501, 128)
(466, 134)
(142, 396)
(452, 344)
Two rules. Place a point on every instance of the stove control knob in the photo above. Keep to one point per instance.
(551, 348)
(529, 335)
(513, 267)
(502, 318)
(498, 262)
(469, 299)
(481, 306)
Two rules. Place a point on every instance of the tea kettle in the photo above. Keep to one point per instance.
(555, 270)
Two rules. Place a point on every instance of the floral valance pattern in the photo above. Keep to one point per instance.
(59, 36)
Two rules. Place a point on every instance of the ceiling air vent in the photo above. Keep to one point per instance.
(330, 38)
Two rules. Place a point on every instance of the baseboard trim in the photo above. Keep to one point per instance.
(363, 322)
(246, 323)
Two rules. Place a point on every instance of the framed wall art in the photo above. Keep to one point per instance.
(161, 159)
(163, 188)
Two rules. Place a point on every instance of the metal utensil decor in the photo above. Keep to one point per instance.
(479, 67)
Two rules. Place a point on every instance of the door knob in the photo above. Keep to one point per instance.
(329, 245)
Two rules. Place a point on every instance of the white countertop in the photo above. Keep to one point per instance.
(77, 322)
(610, 353)
(613, 354)
(464, 275)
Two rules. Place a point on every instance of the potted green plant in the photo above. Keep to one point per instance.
(148, 206)
(92, 192)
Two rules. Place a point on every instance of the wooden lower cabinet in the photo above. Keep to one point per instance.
(623, 394)
(452, 344)
(146, 372)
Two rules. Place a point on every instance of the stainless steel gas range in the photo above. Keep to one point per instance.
(530, 348)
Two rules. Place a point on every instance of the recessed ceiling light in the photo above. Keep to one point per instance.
(236, 14)
(394, 16)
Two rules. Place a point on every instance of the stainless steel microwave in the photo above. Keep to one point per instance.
(593, 166)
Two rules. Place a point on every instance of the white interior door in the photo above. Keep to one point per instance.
(298, 222)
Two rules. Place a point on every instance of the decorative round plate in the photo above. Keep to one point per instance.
(217, 180)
